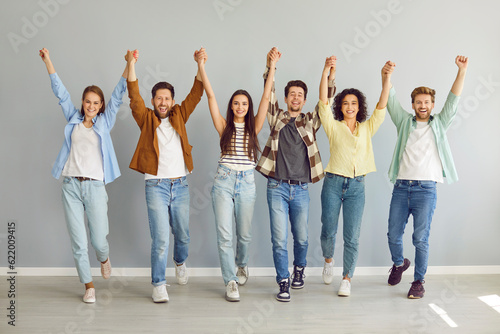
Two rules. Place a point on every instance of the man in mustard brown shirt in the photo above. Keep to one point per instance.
(163, 155)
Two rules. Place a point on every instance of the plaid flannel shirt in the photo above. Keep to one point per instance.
(307, 125)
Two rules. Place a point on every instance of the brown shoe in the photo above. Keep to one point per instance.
(417, 290)
(397, 272)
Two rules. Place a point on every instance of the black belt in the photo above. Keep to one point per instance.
(289, 181)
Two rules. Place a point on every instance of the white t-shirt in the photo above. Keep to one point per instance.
(421, 157)
(171, 159)
(85, 156)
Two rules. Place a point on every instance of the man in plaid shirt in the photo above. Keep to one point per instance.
(290, 161)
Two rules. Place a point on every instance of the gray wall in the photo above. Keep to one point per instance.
(87, 41)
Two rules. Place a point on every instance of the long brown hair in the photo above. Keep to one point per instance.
(227, 146)
(98, 91)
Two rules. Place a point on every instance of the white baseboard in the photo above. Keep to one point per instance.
(263, 271)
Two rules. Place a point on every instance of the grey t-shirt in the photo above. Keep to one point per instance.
(292, 162)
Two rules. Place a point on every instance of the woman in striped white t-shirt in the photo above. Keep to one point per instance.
(234, 185)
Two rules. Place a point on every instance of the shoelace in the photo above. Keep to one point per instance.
(181, 270)
(299, 275)
(284, 286)
(233, 288)
(241, 272)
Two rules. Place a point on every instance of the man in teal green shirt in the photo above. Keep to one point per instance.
(422, 157)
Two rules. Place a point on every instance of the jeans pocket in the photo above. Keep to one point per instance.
(272, 183)
(304, 186)
(67, 180)
(360, 178)
(152, 182)
(250, 179)
(427, 184)
(184, 182)
(221, 174)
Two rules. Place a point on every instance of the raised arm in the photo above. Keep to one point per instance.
(200, 57)
(44, 53)
(328, 75)
(462, 63)
(268, 101)
(131, 58)
(386, 84)
(272, 59)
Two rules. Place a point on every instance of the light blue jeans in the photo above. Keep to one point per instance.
(417, 198)
(233, 190)
(348, 193)
(90, 198)
(288, 201)
(168, 206)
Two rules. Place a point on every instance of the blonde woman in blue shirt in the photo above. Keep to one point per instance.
(351, 158)
(87, 161)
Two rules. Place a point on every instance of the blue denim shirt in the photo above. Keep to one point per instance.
(440, 123)
(103, 123)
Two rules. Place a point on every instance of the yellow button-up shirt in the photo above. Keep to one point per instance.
(351, 154)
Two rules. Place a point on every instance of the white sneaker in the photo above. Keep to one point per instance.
(106, 269)
(181, 274)
(232, 293)
(328, 272)
(89, 296)
(345, 288)
(242, 275)
(160, 294)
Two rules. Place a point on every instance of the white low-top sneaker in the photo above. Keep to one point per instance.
(232, 293)
(106, 269)
(242, 275)
(345, 288)
(160, 294)
(328, 272)
(181, 274)
(89, 296)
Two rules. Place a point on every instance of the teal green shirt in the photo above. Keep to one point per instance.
(440, 123)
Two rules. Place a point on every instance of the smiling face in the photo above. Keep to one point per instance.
(423, 106)
(350, 107)
(162, 102)
(295, 99)
(91, 105)
(239, 106)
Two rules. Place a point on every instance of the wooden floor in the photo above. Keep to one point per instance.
(124, 305)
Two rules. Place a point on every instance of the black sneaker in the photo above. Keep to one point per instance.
(417, 290)
(397, 272)
(284, 294)
(298, 277)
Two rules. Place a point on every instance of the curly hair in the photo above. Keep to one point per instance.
(337, 104)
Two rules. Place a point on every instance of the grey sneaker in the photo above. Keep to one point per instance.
(181, 274)
(242, 275)
(232, 293)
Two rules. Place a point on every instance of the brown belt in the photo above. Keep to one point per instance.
(81, 178)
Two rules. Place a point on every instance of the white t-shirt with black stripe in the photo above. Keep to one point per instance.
(239, 160)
